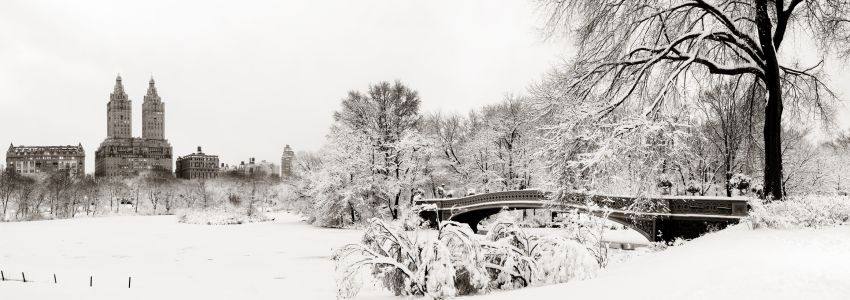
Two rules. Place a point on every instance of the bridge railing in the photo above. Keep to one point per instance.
(484, 198)
(729, 206)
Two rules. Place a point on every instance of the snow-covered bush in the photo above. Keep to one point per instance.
(411, 220)
(457, 262)
(588, 231)
(741, 182)
(799, 212)
(401, 265)
(510, 255)
(220, 216)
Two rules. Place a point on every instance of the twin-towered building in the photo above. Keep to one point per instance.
(121, 154)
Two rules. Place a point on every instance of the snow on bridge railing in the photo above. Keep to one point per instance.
(676, 204)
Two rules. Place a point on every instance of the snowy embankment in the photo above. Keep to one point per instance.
(737, 263)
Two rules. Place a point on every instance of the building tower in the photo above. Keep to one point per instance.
(153, 115)
(121, 154)
(119, 113)
(286, 163)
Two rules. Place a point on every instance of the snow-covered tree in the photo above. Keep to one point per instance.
(644, 54)
(374, 160)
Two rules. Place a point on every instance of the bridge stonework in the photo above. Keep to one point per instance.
(656, 218)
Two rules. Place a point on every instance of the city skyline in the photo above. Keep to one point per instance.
(259, 81)
(241, 99)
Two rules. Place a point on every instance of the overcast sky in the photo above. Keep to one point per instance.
(244, 78)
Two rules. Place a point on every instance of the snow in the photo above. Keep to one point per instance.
(737, 263)
(289, 259)
(169, 260)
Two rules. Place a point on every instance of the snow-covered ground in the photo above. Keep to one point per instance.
(283, 259)
(288, 259)
(737, 263)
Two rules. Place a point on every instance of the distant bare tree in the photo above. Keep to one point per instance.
(805, 170)
(59, 182)
(27, 189)
(653, 51)
(728, 107)
(89, 187)
(9, 183)
(306, 162)
(159, 188)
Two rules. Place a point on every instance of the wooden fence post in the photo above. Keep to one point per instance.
(54, 278)
(2, 276)
(24, 276)
(129, 281)
(90, 280)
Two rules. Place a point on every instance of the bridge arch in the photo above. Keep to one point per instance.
(687, 217)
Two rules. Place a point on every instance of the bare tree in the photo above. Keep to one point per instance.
(9, 183)
(728, 107)
(58, 183)
(805, 172)
(27, 188)
(159, 188)
(653, 51)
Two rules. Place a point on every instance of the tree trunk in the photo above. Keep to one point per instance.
(773, 145)
(5, 204)
(728, 174)
(351, 210)
(773, 109)
(394, 208)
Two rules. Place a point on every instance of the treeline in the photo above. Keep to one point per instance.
(58, 195)
(382, 152)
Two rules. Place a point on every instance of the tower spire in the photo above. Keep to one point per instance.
(119, 87)
(118, 112)
(152, 94)
(118, 91)
(153, 114)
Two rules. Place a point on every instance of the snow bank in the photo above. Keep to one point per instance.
(735, 263)
(219, 217)
(800, 212)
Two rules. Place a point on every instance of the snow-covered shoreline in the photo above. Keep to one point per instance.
(736, 263)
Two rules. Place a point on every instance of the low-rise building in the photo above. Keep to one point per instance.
(253, 168)
(30, 160)
(197, 165)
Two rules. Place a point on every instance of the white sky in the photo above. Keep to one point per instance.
(244, 78)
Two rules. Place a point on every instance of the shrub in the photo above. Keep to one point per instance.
(218, 216)
(521, 260)
(800, 212)
(457, 262)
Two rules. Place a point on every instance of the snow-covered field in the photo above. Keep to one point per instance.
(288, 259)
(283, 259)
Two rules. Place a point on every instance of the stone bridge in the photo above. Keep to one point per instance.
(662, 218)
